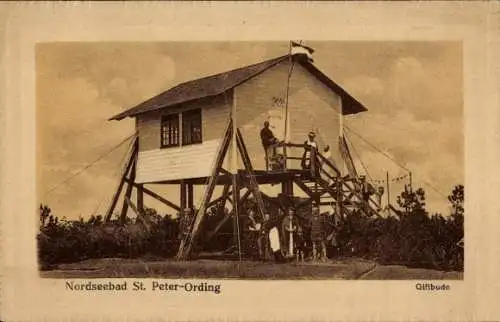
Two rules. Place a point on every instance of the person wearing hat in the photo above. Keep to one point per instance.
(269, 245)
(300, 245)
(332, 229)
(318, 235)
(260, 234)
(289, 228)
(308, 146)
(268, 140)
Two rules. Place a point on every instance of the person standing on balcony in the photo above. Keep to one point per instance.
(268, 141)
(308, 146)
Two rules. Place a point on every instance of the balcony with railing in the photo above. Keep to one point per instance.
(301, 157)
(319, 178)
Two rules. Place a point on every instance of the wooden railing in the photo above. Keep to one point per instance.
(316, 160)
(322, 168)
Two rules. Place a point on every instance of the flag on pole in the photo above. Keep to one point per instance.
(309, 49)
(299, 48)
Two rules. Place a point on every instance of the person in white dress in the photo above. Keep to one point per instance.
(308, 145)
(271, 229)
(289, 228)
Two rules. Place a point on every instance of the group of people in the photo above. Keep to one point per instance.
(290, 237)
(269, 143)
(281, 237)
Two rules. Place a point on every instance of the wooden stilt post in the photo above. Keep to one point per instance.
(311, 193)
(245, 196)
(225, 194)
(388, 192)
(183, 198)
(271, 201)
(217, 228)
(123, 213)
(190, 195)
(226, 218)
(253, 185)
(132, 157)
(158, 197)
(139, 214)
(187, 245)
(140, 198)
(236, 213)
(287, 187)
(339, 200)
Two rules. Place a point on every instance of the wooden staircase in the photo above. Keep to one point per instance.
(345, 192)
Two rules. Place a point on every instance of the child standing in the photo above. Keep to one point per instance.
(300, 245)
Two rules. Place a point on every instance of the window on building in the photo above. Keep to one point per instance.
(191, 127)
(170, 131)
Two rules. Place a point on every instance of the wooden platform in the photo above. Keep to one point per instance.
(261, 176)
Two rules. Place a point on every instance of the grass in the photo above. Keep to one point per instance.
(348, 269)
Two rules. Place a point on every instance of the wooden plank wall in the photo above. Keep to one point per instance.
(311, 105)
(156, 164)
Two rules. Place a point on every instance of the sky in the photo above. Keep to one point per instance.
(413, 92)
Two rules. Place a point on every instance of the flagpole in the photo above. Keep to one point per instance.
(341, 135)
(290, 60)
(411, 186)
(388, 192)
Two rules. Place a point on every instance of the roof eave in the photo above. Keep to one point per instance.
(121, 116)
(131, 113)
(350, 104)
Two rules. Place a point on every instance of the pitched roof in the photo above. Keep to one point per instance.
(220, 83)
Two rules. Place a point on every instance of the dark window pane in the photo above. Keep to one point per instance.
(191, 127)
(169, 130)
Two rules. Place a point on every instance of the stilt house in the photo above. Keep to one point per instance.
(181, 129)
(207, 132)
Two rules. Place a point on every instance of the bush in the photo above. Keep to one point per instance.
(72, 241)
(411, 238)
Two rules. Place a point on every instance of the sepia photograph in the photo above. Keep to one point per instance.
(251, 160)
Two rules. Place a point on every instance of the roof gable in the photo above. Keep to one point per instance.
(221, 83)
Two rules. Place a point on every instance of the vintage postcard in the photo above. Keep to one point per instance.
(318, 167)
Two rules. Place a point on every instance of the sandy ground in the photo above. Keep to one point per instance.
(350, 269)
